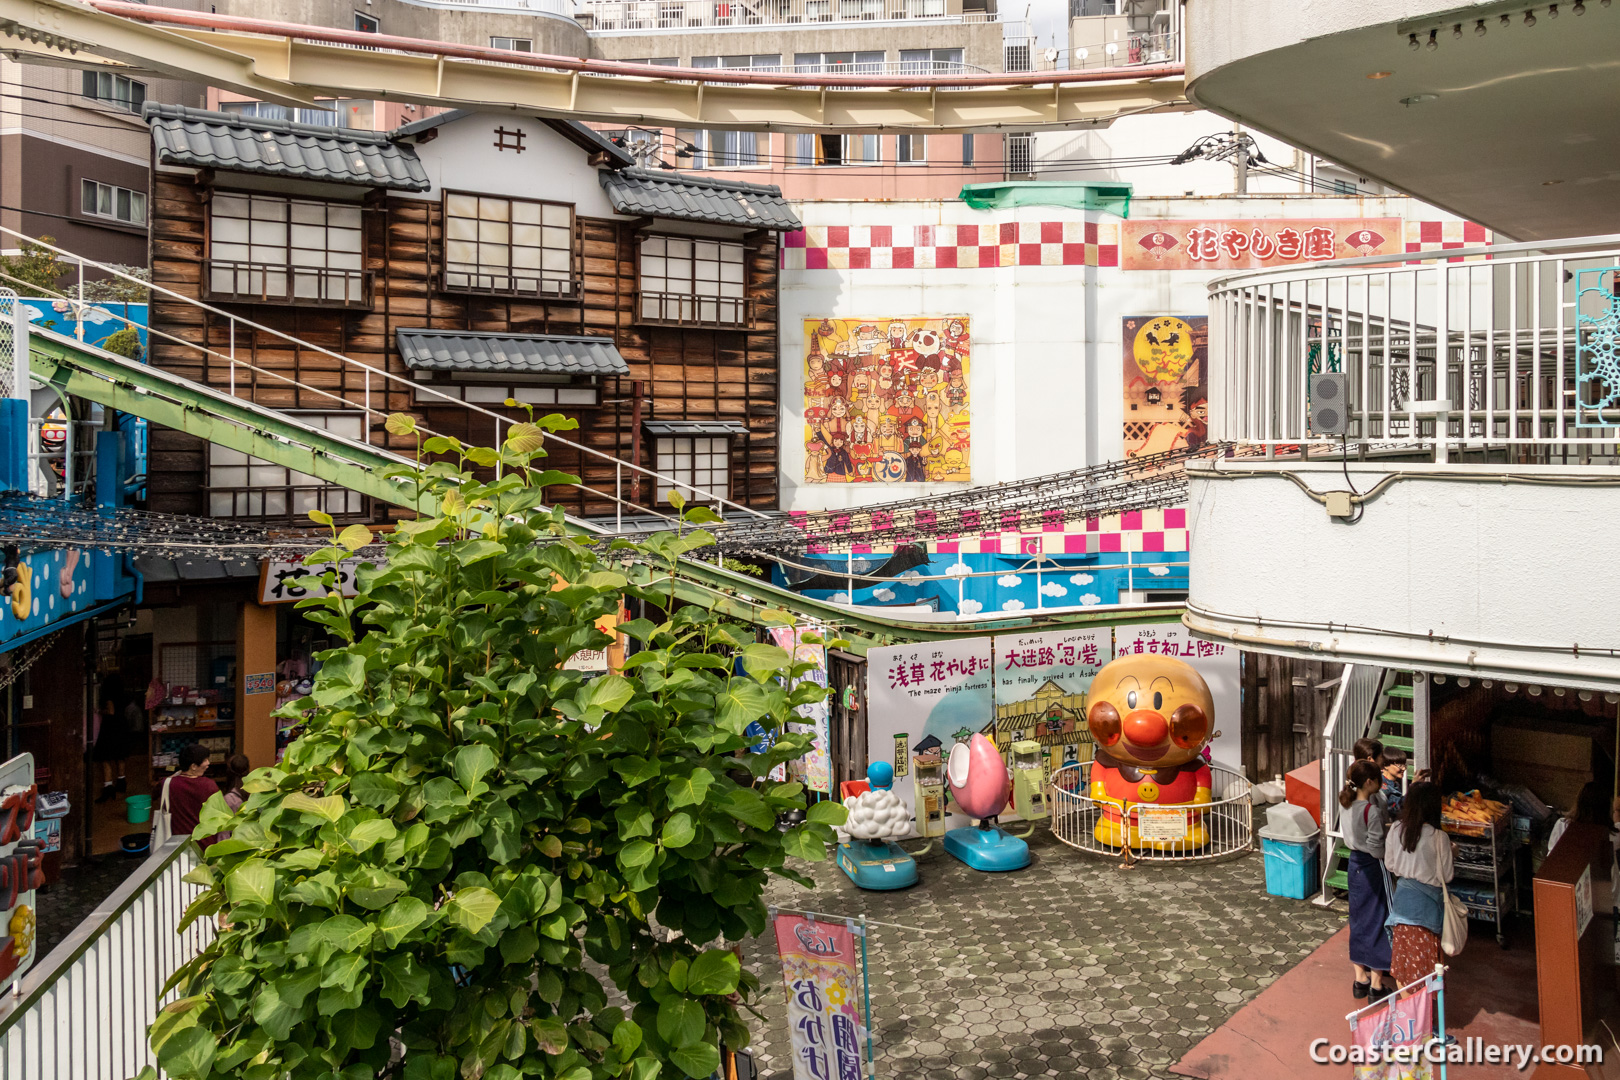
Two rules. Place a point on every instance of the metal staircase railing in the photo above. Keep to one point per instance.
(375, 384)
(1361, 687)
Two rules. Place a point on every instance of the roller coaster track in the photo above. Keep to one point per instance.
(294, 64)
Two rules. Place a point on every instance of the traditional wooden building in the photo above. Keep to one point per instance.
(487, 256)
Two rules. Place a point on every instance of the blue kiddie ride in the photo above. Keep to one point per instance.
(979, 784)
(867, 851)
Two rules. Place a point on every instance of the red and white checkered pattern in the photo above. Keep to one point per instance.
(1018, 243)
(941, 247)
(1444, 236)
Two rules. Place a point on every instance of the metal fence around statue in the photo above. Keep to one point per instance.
(1224, 827)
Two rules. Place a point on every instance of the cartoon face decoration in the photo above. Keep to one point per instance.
(1150, 711)
(1158, 244)
(927, 343)
(897, 335)
(1364, 240)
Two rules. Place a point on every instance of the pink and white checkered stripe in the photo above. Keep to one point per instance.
(1445, 236)
(1012, 534)
(942, 247)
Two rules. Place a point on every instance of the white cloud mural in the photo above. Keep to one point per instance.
(1080, 579)
(1159, 571)
(1090, 598)
(1052, 588)
(884, 595)
(1013, 605)
(970, 607)
(1009, 581)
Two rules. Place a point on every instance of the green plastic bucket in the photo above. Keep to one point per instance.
(138, 808)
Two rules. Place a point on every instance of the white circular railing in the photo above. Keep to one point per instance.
(1217, 830)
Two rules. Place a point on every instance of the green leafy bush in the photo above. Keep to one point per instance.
(414, 891)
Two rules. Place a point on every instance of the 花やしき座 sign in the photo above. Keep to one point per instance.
(1251, 244)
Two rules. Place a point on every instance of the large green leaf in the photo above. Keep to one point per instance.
(801, 843)
(345, 933)
(741, 703)
(637, 853)
(679, 831)
(251, 882)
(610, 693)
(827, 812)
(762, 661)
(715, 971)
(188, 1054)
(680, 1021)
(331, 807)
(398, 919)
(697, 1061)
(368, 833)
(472, 763)
(473, 908)
(689, 790)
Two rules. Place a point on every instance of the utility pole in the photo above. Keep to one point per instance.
(1242, 161)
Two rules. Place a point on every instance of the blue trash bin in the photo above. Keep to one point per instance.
(1291, 865)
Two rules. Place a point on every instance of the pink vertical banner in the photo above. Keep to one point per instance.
(1389, 1042)
(821, 967)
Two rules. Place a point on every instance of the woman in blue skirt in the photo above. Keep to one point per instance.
(1361, 821)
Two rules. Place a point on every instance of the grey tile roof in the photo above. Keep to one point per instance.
(695, 427)
(524, 354)
(650, 193)
(202, 139)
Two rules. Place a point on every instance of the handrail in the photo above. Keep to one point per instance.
(28, 990)
(411, 386)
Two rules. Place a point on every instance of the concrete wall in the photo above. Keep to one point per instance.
(1221, 31)
(461, 24)
(1442, 572)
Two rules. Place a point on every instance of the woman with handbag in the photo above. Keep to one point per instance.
(1419, 854)
(1361, 822)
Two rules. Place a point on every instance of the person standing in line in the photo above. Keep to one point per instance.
(187, 790)
(1361, 822)
(1392, 760)
(1419, 855)
(115, 741)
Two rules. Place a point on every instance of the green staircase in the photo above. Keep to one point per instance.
(1391, 725)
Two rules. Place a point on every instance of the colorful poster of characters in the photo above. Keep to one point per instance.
(938, 693)
(821, 965)
(813, 770)
(1219, 665)
(1166, 383)
(886, 400)
(1041, 684)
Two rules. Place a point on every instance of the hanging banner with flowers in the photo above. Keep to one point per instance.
(1250, 244)
(822, 967)
(886, 400)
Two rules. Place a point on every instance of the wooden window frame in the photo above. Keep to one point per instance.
(691, 492)
(356, 291)
(334, 499)
(574, 282)
(669, 308)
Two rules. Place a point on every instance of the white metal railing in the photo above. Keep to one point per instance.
(1511, 348)
(13, 345)
(82, 1012)
(360, 387)
(563, 8)
(1161, 47)
(1216, 830)
(872, 67)
(619, 15)
(1360, 687)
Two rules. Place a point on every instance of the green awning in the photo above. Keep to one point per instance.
(1109, 198)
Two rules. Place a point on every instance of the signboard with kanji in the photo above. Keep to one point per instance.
(279, 579)
(821, 965)
(1041, 682)
(1217, 663)
(938, 692)
(1242, 244)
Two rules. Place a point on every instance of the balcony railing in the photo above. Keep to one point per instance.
(612, 15)
(679, 309)
(306, 286)
(1506, 353)
(1163, 47)
(82, 1012)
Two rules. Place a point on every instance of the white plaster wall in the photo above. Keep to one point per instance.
(1221, 31)
(1440, 573)
(1048, 341)
(1065, 155)
(464, 158)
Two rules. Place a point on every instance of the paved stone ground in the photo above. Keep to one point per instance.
(1071, 968)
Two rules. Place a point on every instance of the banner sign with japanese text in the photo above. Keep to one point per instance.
(278, 578)
(1217, 663)
(821, 965)
(1254, 243)
(1041, 683)
(921, 699)
(814, 770)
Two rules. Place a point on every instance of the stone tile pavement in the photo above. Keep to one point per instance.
(1071, 968)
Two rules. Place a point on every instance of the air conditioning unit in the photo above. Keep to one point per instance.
(1330, 403)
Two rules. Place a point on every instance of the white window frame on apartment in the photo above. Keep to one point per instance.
(111, 201)
(716, 149)
(821, 148)
(840, 63)
(270, 110)
(116, 91)
(930, 61)
(698, 466)
(512, 44)
(911, 149)
(688, 280)
(276, 248)
(741, 62)
(508, 246)
(239, 485)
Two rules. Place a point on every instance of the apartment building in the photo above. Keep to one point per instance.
(73, 156)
